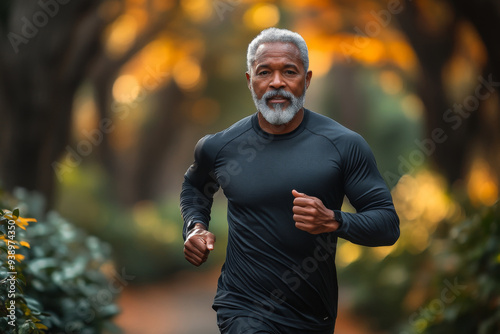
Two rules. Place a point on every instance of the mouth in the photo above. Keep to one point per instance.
(277, 99)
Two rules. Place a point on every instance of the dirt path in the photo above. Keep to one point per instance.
(183, 306)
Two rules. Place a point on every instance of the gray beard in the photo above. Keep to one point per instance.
(278, 115)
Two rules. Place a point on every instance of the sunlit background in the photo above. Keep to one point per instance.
(102, 106)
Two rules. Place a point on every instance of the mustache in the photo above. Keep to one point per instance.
(278, 92)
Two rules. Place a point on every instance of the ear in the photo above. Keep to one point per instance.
(308, 78)
(249, 81)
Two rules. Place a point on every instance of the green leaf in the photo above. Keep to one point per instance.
(21, 277)
(25, 328)
(15, 213)
(109, 311)
(38, 265)
(19, 288)
(34, 305)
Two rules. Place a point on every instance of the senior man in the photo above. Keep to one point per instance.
(285, 171)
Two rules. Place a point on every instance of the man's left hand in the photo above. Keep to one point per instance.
(311, 215)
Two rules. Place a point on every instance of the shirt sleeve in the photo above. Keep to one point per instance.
(198, 189)
(375, 222)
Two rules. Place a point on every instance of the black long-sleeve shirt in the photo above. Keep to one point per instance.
(274, 270)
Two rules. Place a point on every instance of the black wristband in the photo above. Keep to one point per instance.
(338, 217)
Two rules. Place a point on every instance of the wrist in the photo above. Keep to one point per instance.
(199, 226)
(337, 216)
(193, 226)
(334, 224)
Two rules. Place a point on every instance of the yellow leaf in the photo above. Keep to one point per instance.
(26, 220)
(41, 326)
(25, 244)
(19, 257)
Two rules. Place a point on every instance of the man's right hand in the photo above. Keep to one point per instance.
(198, 244)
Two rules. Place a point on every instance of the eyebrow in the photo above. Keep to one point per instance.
(265, 65)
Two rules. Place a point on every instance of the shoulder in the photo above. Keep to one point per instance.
(355, 153)
(343, 138)
(211, 144)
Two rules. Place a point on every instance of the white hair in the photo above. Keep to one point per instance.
(274, 35)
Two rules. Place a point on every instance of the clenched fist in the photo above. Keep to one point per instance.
(198, 244)
(311, 215)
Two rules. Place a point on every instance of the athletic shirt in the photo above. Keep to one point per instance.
(274, 271)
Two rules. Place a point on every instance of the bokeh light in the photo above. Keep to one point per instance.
(262, 16)
(347, 253)
(198, 10)
(187, 73)
(391, 82)
(482, 184)
(85, 117)
(126, 88)
(121, 34)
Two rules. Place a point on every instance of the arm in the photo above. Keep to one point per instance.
(195, 203)
(374, 224)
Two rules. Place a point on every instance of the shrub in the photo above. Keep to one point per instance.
(64, 281)
(442, 274)
(472, 302)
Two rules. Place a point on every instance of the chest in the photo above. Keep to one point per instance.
(257, 173)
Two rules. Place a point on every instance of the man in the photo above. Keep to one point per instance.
(285, 171)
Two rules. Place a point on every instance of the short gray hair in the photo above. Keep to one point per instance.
(275, 35)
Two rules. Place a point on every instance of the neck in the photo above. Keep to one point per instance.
(283, 128)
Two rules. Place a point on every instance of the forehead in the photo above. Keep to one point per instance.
(277, 51)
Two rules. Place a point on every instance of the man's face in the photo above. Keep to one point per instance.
(278, 81)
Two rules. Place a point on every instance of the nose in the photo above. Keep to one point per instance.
(277, 81)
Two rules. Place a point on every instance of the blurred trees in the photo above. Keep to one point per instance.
(460, 72)
(146, 70)
(102, 102)
(46, 52)
(51, 49)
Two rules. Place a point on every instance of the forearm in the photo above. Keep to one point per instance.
(379, 227)
(195, 207)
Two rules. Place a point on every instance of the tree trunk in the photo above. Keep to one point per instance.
(434, 50)
(43, 63)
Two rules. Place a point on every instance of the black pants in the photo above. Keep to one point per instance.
(231, 323)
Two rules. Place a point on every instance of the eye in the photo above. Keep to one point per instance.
(290, 72)
(263, 72)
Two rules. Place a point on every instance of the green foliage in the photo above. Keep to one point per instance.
(16, 309)
(63, 282)
(377, 289)
(451, 287)
(441, 275)
(472, 304)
